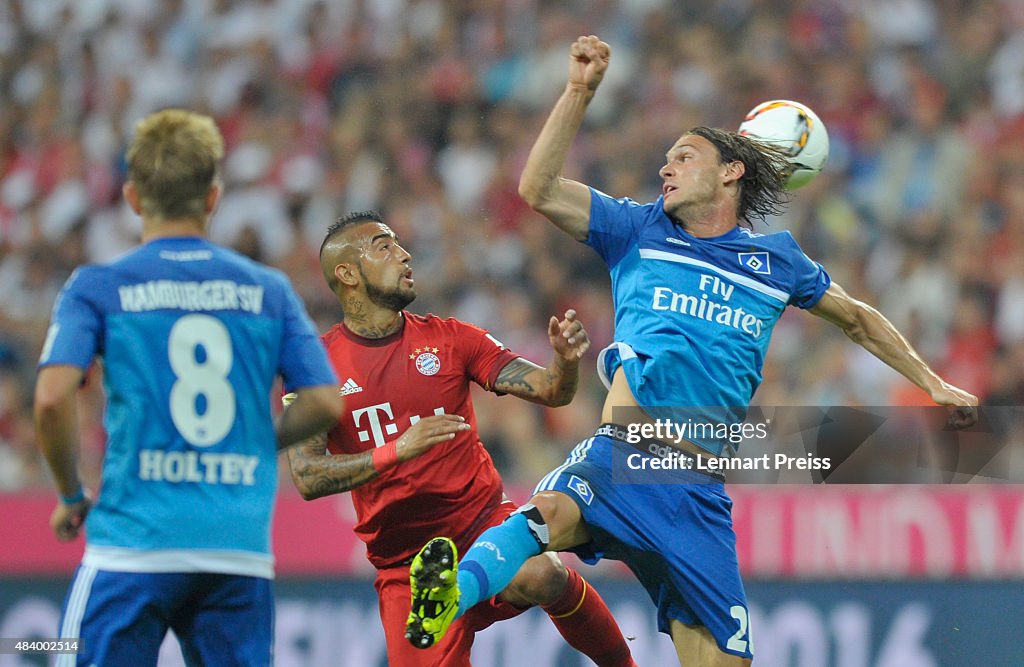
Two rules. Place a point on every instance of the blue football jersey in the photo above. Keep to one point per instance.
(192, 336)
(693, 316)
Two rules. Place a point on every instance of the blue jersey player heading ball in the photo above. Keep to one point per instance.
(191, 336)
(696, 296)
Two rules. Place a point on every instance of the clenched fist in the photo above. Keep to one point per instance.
(588, 60)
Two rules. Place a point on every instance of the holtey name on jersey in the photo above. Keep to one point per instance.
(208, 467)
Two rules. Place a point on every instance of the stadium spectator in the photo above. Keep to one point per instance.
(67, 75)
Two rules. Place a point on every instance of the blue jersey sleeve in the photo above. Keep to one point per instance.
(75, 335)
(614, 225)
(304, 361)
(810, 280)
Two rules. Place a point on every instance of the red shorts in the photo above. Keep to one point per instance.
(393, 592)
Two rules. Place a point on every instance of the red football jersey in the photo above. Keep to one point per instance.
(389, 384)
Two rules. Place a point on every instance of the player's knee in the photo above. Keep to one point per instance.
(563, 519)
(540, 581)
(553, 507)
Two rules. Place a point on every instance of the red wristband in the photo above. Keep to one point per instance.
(385, 457)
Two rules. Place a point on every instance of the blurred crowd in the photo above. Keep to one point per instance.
(426, 109)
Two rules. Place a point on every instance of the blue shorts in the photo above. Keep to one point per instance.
(122, 617)
(674, 532)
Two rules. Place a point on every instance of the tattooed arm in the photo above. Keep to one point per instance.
(317, 473)
(555, 385)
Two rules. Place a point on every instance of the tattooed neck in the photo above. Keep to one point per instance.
(358, 320)
(373, 331)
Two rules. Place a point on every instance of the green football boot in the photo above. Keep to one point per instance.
(435, 592)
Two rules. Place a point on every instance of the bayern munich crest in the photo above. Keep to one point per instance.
(427, 363)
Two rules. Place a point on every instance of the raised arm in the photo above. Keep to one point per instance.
(555, 385)
(871, 330)
(56, 420)
(565, 202)
(317, 473)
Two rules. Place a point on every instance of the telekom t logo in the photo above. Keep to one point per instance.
(378, 428)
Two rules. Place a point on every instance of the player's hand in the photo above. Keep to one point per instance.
(966, 404)
(428, 432)
(66, 520)
(588, 60)
(568, 338)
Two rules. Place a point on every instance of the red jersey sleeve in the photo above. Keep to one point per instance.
(483, 355)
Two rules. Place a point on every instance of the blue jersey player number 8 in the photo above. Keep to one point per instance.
(191, 337)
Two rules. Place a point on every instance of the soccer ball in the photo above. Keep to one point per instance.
(797, 130)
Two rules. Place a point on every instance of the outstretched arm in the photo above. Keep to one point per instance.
(317, 473)
(565, 202)
(555, 385)
(871, 330)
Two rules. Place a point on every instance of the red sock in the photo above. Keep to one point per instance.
(586, 624)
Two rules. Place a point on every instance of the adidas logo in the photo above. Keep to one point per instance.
(676, 241)
(350, 387)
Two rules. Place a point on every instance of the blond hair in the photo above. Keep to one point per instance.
(173, 163)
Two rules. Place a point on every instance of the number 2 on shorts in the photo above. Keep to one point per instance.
(737, 641)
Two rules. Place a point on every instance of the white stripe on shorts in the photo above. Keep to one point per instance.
(578, 454)
(77, 600)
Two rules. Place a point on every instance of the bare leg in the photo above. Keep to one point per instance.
(697, 648)
(565, 523)
(540, 581)
(576, 610)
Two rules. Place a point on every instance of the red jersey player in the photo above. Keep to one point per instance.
(409, 450)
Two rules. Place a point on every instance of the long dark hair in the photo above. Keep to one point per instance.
(762, 187)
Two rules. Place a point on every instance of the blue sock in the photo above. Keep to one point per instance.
(495, 557)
